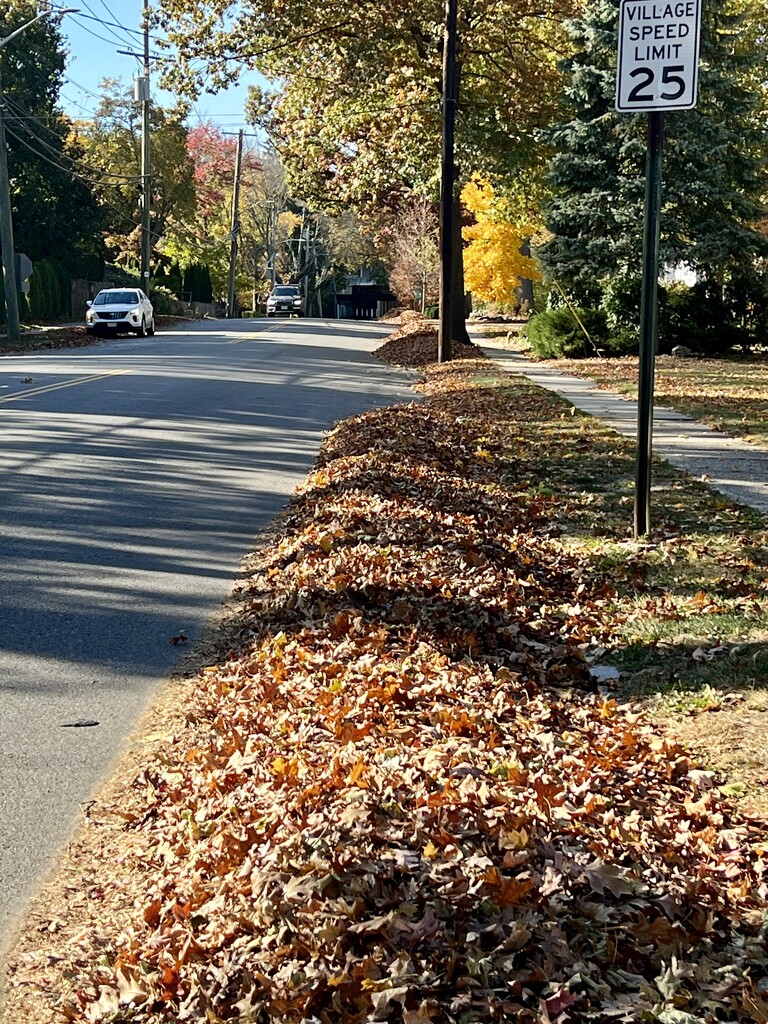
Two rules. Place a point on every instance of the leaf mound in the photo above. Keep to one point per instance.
(399, 797)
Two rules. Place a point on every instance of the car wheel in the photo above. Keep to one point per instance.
(90, 330)
(141, 332)
(151, 328)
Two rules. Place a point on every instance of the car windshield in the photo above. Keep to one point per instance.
(287, 290)
(117, 299)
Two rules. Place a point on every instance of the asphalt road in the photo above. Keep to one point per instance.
(134, 476)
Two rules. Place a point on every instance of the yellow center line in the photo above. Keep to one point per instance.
(62, 384)
(264, 330)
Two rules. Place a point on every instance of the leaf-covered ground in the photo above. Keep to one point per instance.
(396, 792)
(70, 337)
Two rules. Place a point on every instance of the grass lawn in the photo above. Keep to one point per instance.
(730, 392)
(392, 788)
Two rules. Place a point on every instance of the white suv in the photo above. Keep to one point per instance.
(120, 309)
(285, 298)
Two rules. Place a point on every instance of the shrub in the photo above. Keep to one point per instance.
(621, 302)
(165, 303)
(556, 333)
(700, 318)
(119, 277)
(65, 290)
(46, 301)
(747, 297)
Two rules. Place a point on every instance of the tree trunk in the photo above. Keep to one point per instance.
(459, 318)
(527, 301)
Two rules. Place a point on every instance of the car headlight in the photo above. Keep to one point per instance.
(136, 313)
(297, 302)
(89, 316)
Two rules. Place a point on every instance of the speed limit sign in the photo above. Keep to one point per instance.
(658, 65)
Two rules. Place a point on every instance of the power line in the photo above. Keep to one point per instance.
(60, 153)
(114, 24)
(81, 87)
(110, 12)
(120, 39)
(110, 42)
(103, 201)
(101, 182)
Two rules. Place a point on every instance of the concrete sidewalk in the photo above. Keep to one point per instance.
(736, 468)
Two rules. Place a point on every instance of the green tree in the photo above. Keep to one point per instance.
(55, 214)
(714, 177)
(112, 143)
(205, 237)
(356, 118)
(197, 283)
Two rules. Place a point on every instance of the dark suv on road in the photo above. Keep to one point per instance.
(285, 299)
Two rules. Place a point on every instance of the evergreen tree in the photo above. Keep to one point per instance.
(197, 282)
(173, 280)
(713, 175)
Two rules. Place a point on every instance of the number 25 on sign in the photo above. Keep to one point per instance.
(658, 55)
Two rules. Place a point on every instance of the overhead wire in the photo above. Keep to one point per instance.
(27, 120)
(113, 24)
(122, 39)
(74, 174)
(107, 8)
(60, 166)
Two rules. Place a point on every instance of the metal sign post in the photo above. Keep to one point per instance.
(657, 70)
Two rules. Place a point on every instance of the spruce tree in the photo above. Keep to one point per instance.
(713, 175)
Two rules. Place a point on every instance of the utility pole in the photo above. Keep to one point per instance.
(448, 233)
(273, 242)
(6, 218)
(146, 174)
(235, 227)
(6, 235)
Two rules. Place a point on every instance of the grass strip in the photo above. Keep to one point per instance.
(729, 392)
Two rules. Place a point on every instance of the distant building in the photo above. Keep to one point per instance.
(364, 300)
(680, 273)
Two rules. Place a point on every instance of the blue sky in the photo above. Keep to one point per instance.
(94, 40)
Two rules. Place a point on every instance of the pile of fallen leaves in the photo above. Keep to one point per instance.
(393, 314)
(400, 798)
(57, 337)
(75, 337)
(415, 343)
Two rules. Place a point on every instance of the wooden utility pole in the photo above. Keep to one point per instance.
(448, 224)
(235, 226)
(146, 170)
(6, 236)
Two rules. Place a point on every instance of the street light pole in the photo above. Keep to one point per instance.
(6, 214)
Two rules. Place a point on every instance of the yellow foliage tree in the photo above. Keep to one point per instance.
(493, 262)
